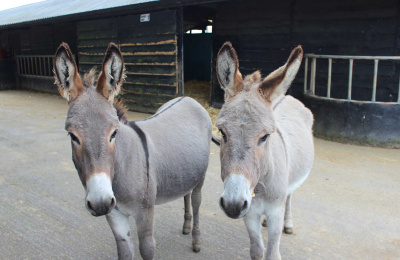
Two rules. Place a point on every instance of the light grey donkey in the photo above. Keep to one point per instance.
(128, 167)
(266, 147)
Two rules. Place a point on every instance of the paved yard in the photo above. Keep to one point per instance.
(349, 207)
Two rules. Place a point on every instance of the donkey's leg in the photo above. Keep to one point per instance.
(252, 221)
(119, 224)
(187, 224)
(275, 215)
(144, 218)
(196, 201)
(288, 226)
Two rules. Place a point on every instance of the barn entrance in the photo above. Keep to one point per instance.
(197, 40)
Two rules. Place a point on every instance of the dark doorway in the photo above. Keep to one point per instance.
(197, 40)
(197, 54)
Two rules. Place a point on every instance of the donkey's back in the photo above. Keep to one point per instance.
(295, 122)
(179, 142)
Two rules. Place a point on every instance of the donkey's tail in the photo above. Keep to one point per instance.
(216, 140)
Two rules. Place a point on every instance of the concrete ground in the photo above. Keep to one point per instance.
(349, 207)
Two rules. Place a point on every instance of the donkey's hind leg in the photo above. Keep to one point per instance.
(288, 225)
(187, 224)
(196, 201)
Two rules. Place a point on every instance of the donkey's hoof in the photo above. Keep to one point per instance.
(186, 231)
(264, 223)
(196, 248)
(288, 230)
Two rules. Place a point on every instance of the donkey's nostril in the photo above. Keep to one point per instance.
(221, 203)
(244, 205)
(112, 202)
(89, 205)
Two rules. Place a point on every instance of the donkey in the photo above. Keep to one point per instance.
(266, 147)
(126, 167)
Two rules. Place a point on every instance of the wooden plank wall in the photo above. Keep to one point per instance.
(93, 39)
(351, 28)
(260, 33)
(7, 74)
(264, 32)
(25, 41)
(41, 39)
(149, 50)
(65, 32)
(150, 55)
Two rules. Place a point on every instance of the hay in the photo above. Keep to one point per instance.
(200, 91)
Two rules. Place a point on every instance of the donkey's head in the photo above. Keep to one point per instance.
(92, 123)
(246, 121)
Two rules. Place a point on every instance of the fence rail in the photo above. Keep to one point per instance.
(35, 65)
(310, 89)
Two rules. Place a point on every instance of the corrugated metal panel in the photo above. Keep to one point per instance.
(56, 8)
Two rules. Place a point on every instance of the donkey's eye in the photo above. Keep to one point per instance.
(74, 138)
(223, 134)
(263, 139)
(113, 135)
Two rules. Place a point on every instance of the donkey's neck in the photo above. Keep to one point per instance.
(131, 164)
(275, 165)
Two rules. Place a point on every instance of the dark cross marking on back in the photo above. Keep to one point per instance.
(143, 140)
(163, 110)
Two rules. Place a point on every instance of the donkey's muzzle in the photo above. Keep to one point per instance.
(236, 199)
(101, 208)
(100, 199)
(233, 210)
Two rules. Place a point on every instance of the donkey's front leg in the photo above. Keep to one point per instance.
(144, 218)
(252, 221)
(275, 215)
(119, 224)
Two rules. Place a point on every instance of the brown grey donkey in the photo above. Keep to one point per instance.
(266, 147)
(128, 167)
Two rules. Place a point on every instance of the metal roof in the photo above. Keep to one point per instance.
(56, 8)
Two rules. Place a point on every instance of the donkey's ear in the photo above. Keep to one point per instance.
(278, 82)
(228, 73)
(66, 73)
(112, 73)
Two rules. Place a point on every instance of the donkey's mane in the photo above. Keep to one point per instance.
(89, 80)
(121, 111)
(251, 80)
(90, 77)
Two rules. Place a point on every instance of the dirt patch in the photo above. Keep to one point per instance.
(200, 91)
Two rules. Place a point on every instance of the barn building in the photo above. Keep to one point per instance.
(349, 77)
